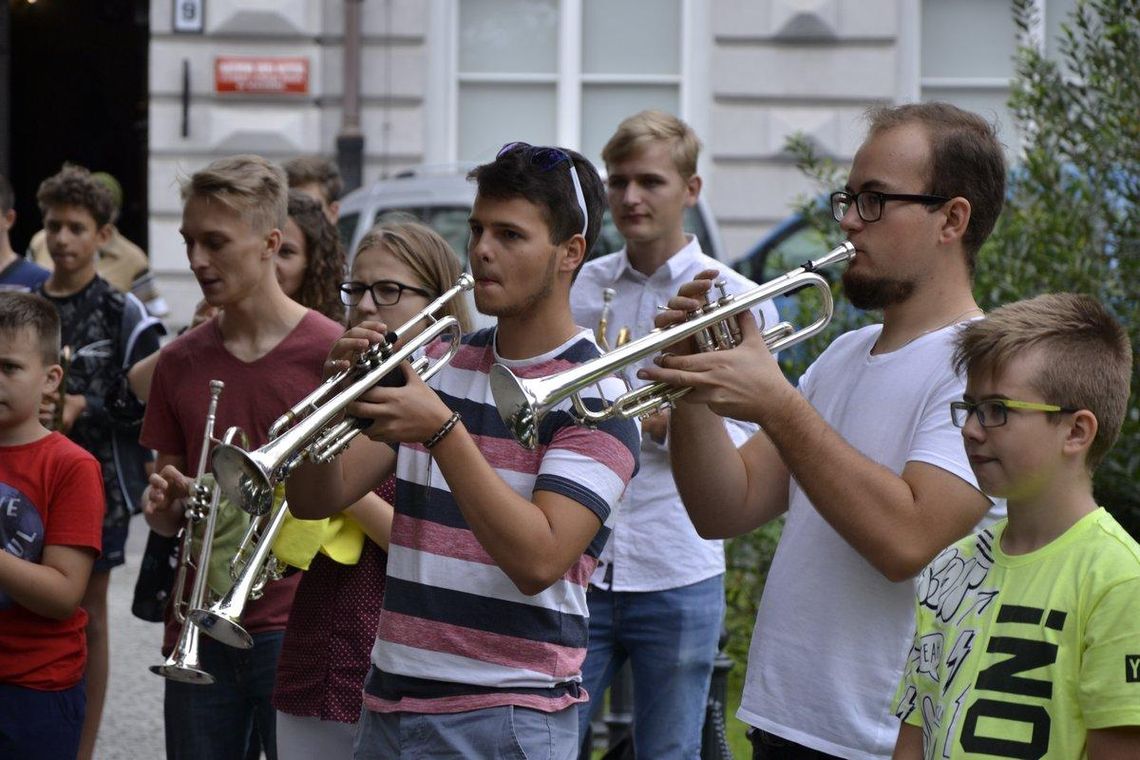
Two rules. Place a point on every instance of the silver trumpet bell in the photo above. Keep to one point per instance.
(523, 403)
(308, 430)
(221, 620)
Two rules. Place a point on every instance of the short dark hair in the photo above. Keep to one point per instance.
(74, 185)
(324, 253)
(7, 197)
(306, 170)
(966, 160)
(515, 174)
(1088, 356)
(20, 311)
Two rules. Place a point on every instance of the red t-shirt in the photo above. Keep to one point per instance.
(51, 493)
(256, 393)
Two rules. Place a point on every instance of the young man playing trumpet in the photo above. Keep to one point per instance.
(657, 597)
(268, 350)
(483, 628)
(862, 456)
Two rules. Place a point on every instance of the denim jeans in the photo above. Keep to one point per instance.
(215, 722)
(500, 732)
(670, 638)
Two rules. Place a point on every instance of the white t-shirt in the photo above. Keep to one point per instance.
(654, 545)
(832, 634)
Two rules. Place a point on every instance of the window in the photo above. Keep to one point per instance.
(561, 72)
(967, 53)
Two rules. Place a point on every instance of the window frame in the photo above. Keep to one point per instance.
(441, 101)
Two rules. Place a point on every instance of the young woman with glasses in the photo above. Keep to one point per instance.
(398, 269)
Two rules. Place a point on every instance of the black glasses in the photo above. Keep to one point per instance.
(384, 292)
(869, 203)
(546, 158)
(993, 412)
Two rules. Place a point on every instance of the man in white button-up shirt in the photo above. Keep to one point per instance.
(657, 598)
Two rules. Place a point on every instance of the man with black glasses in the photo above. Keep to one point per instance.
(862, 457)
(484, 621)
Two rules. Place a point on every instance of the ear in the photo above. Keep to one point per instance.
(693, 189)
(575, 252)
(104, 234)
(333, 212)
(272, 243)
(1081, 432)
(956, 214)
(53, 378)
(10, 217)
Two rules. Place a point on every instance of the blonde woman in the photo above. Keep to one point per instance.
(399, 268)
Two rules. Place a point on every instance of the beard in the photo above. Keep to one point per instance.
(543, 289)
(875, 293)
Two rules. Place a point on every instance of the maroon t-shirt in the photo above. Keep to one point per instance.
(256, 393)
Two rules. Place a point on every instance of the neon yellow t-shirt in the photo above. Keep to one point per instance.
(1019, 656)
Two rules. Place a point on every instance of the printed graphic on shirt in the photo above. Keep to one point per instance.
(1132, 668)
(989, 689)
(21, 530)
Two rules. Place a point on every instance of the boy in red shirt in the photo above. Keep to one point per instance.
(51, 516)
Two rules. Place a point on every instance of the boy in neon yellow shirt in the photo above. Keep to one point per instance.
(1028, 633)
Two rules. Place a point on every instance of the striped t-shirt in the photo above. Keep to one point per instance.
(455, 633)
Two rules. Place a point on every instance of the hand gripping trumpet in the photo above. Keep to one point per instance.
(184, 663)
(309, 430)
(523, 403)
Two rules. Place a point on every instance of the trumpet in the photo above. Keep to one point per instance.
(308, 430)
(251, 568)
(600, 333)
(65, 365)
(184, 663)
(523, 403)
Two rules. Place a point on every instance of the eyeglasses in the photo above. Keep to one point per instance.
(993, 411)
(869, 203)
(546, 158)
(384, 292)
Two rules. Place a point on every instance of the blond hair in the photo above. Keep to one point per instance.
(1087, 356)
(253, 187)
(427, 254)
(636, 131)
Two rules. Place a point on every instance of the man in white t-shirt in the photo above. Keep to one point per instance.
(862, 457)
(657, 597)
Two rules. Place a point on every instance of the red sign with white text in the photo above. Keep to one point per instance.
(261, 75)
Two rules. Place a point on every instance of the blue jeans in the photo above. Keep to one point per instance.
(499, 732)
(215, 722)
(670, 638)
(41, 725)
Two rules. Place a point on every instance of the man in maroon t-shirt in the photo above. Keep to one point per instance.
(268, 350)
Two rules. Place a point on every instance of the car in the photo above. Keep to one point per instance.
(789, 244)
(441, 197)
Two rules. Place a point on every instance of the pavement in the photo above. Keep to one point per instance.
(132, 717)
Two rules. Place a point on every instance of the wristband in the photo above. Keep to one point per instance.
(443, 431)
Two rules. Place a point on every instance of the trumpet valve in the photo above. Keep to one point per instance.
(704, 337)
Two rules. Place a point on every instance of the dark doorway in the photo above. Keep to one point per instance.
(78, 93)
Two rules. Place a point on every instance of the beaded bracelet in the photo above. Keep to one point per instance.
(443, 431)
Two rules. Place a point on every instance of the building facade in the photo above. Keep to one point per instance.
(447, 81)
